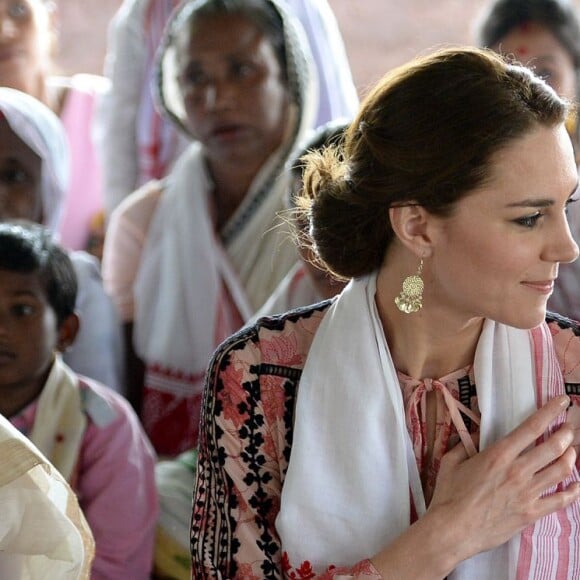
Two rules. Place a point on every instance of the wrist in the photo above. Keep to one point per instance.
(428, 550)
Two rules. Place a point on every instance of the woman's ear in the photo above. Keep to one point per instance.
(412, 226)
(67, 332)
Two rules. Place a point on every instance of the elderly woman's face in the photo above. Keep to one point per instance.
(20, 178)
(235, 96)
(537, 48)
(26, 42)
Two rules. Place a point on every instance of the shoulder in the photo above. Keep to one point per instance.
(139, 207)
(566, 339)
(102, 405)
(82, 84)
(84, 264)
(273, 345)
(112, 420)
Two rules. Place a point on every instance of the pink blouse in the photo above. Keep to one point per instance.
(114, 482)
(246, 440)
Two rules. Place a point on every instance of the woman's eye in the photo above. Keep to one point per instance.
(194, 77)
(18, 10)
(242, 70)
(568, 203)
(544, 73)
(529, 221)
(13, 176)
(22, 310)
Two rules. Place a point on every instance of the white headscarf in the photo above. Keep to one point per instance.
(41, 130)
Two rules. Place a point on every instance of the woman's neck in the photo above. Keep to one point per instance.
(231, 185)
(429, 343)
(51, 95)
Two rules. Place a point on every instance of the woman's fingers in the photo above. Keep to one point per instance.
(535, 425)
(547, 452)
(557, 501)
(553, 474)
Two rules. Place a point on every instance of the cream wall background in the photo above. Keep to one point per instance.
(378, 34)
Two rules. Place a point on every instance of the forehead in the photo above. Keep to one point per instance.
(20, 283)
(11, 145)
(538, 165)
(531, 39)
(221, 36)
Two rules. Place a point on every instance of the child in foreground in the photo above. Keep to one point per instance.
(90, 433)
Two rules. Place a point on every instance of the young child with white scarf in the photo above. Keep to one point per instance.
(419, 425)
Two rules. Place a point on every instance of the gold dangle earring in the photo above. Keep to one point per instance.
(411, 297)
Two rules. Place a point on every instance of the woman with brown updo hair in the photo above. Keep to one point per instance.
(545, 36)
(420, 425)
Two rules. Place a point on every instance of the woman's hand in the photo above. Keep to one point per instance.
(482, 501)
(492, 496)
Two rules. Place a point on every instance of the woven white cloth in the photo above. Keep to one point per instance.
(352, 466)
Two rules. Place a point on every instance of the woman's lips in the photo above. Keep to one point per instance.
(6, 355)
(541, 286)
(8, 53)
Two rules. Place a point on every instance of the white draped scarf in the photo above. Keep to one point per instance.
(352, 466)
(184, 264)
(41, 130)
(60, 412)
(179, 302)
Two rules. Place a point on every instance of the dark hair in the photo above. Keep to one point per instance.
(558, 16)
(30, 248)
(259, 12)
(330, 133)
(425, 134)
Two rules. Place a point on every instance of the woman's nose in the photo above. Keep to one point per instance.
(564, 247)
(219, 95)
(8, 29)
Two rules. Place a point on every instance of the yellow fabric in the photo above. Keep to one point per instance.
(43, 533)
(172, 560)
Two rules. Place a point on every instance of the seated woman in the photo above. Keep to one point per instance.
(417, 426)
(189, 259)
(544, 35)
(30, 30)
(34, 177)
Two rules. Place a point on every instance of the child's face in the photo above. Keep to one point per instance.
(29, 334)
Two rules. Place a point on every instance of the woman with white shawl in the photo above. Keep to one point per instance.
(136, 143)
(419, 425)
(38, 194)
(189, 259)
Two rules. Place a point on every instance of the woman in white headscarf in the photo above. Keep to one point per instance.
(136, 143)
(34, 177)
(189, 259)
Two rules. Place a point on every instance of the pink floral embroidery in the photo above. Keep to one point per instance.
(305, 571)
(281, 350)
(233, 395)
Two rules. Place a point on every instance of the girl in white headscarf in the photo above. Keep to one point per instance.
(34, 177)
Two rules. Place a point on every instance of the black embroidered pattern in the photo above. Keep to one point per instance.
(563, 322)
(216, 501)
(217, 506)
